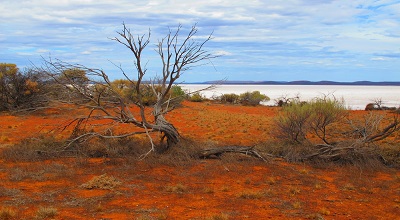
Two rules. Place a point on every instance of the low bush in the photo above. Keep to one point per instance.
(390, 155)
(231, 98)
(21, 90)
(252, 98)
(299, 119)
(248, 98)
(45, 147)
(321, 131)
(196, 97)
(292, 124)
(102, 182)
(34, 149)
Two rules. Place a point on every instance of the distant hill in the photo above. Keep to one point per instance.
(303, 82)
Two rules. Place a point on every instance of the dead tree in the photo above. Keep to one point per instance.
(106, 103)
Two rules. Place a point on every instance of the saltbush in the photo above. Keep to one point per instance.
(248, 98)
(299, 119)
(252, 98)
(231, 98)
(293, 123)
(196, 97)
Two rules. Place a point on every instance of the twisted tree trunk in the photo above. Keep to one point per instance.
(167, 129)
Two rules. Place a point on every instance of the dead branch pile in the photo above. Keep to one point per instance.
(218, 151)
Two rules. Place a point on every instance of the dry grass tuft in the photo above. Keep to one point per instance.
(221, 216)
(7, 213)
(250, 194)
(102, 182)
(349, 187)
(296, 205)
(178, 188)
(324, 211)
(46, 212)
(294, 191)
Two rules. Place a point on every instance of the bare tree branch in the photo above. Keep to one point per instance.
(105, 103)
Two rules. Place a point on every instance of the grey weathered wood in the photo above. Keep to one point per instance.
(218, 151)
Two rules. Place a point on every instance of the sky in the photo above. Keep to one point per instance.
(257, 40)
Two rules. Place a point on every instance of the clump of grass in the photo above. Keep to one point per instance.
(250, 194)
(40, 148)
(221, 216)
(324, 211)
(315, 216)
(46, 212)
(178, 188)
(9, 192)
(294, 191)
(99, 208)
(102, 182)
(208, 190)
(4, 139)
(7, 213)
(349, 187)
(271, 180)
(304, 171)
(296, 205)
(318, 185)
(225, 188)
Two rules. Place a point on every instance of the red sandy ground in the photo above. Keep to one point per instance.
(242, 188)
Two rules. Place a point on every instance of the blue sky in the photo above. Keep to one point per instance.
(278, 40)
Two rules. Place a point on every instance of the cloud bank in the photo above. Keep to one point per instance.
(258, 40)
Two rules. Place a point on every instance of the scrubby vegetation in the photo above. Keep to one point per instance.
(322, 130)
(107, 178)
(253, 98)
(21, 90)
(113, 123)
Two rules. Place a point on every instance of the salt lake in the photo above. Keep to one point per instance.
(355, 97)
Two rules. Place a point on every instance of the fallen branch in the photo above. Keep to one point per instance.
(218, 151)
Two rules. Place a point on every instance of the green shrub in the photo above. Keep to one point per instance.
(196, 97)
(252, 98)
(231, 98)
(177, 95)
(292, 124)
(325, 113)
(298, 119)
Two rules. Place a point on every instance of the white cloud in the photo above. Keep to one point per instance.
(379, 58)
(290, 34)
(42, 51)
(222, 53)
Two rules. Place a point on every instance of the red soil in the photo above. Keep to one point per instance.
(231, 188)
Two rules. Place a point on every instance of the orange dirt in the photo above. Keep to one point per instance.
(204, 189)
